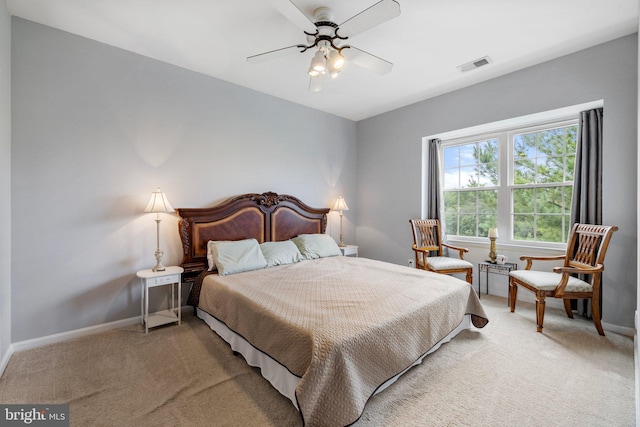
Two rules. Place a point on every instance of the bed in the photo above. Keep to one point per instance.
(327, 331)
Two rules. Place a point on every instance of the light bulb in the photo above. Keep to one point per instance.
(336, 60)
(317, 63)
(312, 72)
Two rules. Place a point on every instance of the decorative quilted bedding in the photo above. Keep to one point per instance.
(343, 325)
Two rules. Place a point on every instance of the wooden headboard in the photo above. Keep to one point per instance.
(266, 217)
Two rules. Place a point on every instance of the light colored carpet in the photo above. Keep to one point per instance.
(506, 374)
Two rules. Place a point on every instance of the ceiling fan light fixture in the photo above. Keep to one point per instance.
(336, 60)
(312, 72)
(318, 62)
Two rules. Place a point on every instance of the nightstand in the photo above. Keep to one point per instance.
(489, 267)
(149, 279)
(349, 250)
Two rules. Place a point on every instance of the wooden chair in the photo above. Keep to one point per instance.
(585, 256)
(427, 238)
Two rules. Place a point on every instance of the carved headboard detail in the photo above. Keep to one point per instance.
(266, 217)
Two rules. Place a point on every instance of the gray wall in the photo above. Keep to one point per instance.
(5, 180)
(96, 129)
(389, 154)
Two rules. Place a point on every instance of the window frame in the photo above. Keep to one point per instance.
(504, 213)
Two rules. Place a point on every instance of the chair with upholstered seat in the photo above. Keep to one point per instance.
(586, 249)
(427, 238)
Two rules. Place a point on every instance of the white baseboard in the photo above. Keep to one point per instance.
(617, 329)
(65, 336)
(5, 359)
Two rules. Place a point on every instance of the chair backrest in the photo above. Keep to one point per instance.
(426, 234)
(588, 244)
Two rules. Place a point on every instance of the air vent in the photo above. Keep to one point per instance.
(475, 64)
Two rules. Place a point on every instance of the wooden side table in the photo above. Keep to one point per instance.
(489, 267)
(149, 279)
(349, 250)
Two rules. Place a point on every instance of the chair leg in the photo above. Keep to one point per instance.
(540, 303)
(513, 294)
(595, 312)
(567, 308)
(470, 276)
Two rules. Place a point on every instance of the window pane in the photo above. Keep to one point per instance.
(571, 165)
(451, 224)
(488, 174)
(451, 157)
(568, 194)
(468, 177)
(551, 169)
(524, 146)
(523, 227)
(487, 201)
(450, 201)
(549, 228)
(467, 201)
(552, 142)
(549, 200)
(523, 200)
(524, 172)
(487, 157)
(451, 178)
(485, 222)
(467, 156)
(567, 228)
(467, 225)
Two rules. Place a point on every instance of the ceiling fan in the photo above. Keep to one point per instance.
(327, 38)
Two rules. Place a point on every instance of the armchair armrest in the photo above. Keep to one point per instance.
(419, 250)
(566, 271)
(460, 250)
(530, 259)
(579, 270)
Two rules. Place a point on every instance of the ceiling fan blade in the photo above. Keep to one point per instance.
(375, 15)
(366, 60)
(316, 83)
(293, 12)
(273, 54)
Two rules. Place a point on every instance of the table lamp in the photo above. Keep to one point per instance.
(158, 204)
(493, 235)
(340, 206)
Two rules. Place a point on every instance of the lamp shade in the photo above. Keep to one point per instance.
(340, 205)
(159, 203)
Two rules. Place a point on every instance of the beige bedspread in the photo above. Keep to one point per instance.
(343, 325)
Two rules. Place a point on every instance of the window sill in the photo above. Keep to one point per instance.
(514, 246)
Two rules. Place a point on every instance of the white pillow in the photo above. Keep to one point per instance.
(279, 253)
(232, 257)
(314, 246)
(210, 261)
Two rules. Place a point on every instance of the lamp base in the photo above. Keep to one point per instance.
(492, 250)
(159, 267)
(342, 244)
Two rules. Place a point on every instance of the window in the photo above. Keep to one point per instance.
(519, 180)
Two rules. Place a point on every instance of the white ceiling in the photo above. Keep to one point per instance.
(426, 42)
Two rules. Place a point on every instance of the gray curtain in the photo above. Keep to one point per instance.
(586, 205)
(434, 197)
(433, 186)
